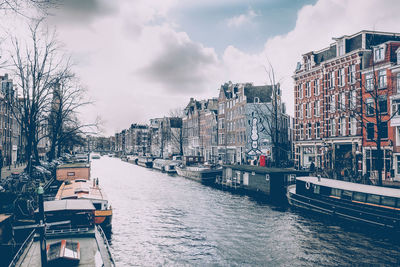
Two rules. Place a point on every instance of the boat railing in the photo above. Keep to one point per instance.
(28, 242)
(103, 235)
(55, 232)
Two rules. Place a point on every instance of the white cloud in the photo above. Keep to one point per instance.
(316, 25)
(121, 56)
(241, 19)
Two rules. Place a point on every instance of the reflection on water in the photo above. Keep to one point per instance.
(169, 220)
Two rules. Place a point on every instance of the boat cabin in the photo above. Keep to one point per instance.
(191, 160)
(73, 171)
(377, 196)
(267, 181)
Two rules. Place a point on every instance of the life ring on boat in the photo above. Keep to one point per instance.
(307, 185)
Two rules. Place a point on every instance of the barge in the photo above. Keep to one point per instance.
(71, 235)
(145, 162)
(202, 174)
(83, 189)
(366, 204)
(266, 182)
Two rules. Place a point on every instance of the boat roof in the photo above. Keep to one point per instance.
(71, 204)
(82, 189)
(363, 188)
(265, 170)
(74, 165)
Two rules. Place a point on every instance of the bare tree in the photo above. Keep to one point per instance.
(67, 98)
(176, 135)
(273, 120)
(38, 66)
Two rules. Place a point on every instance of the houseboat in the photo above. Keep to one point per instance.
(267, 182)
(83, 189)
(368, 204)
(145, 162)
(165, 165)
(71, 238)
(205, 175)
(72, 171)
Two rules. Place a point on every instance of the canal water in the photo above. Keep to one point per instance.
(169, 220)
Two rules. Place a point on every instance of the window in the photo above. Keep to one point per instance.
(316, 87)
(332, 80)
(336, 192)
(398, 58)
(342, 101)
(308, 131)
(301, 132)
(301, 111)
(370, 107)
(300, 89)
(333, 127)
(373, 199)
(343, 126)
(317, 108)
(382, 104)
(353, 99)
(352, 74)
(370, 130)
(332, 103)
(357, 196)
(308, 89)
(341, 77)
(308, 110)
(388, 201)
(369, 82)
(341, 47)
(398, 81)
(382, 79)
(379, 53)
(221, 108)
(384, 129)
(317, 130)
(353, 126)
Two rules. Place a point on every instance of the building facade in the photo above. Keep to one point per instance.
(328, 104)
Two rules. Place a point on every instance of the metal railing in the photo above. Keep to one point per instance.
(28, 241)
(103, 235)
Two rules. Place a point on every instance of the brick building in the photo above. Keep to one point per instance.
(328, 103)
(380, 85)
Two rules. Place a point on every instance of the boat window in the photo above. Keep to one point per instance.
(389, 201)
(97, 206)
(336, 192)
(357, 196)
(316, 189)
(374, 199)
(346, 194)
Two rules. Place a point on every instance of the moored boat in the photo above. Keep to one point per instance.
(71, 235)
(83, 189)
(368, 204)
(145, 162)
(165, 165)
(201, 174)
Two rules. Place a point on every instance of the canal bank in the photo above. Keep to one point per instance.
(161, 219)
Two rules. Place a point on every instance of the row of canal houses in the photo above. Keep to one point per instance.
(341, 93)
(233, 128)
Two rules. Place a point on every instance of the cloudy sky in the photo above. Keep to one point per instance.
(140, 59)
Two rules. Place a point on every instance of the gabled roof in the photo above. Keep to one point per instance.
(263, 93)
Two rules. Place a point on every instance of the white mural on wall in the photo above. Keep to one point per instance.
(254, 138)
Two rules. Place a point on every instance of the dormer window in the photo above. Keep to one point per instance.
(379, 53)
(341, 49)
(398, 57)
(307, 64)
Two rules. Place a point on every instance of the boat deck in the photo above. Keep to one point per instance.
(93, 252)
